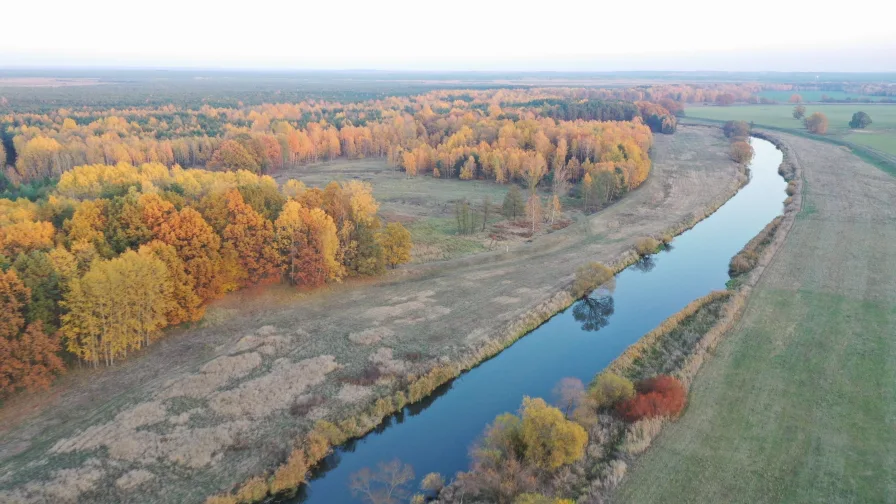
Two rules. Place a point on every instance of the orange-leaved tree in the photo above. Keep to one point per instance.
(28, 356)
(307, 243)
(252, 237)
(658, 396)
(817, 123)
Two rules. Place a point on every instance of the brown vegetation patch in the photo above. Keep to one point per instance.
(214, 375)
(305, 404)
(63, 486)
(133, 479)
(353, 393)
(275, 390)
(371, 335)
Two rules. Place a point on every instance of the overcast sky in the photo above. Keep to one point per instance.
(457, 34)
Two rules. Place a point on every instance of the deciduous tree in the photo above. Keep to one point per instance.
(860, 120)
(198, 247)
(387, 485)
(231, 155)
(28, 356)
(396, 243)
(514, 206)
(252, 238)
(817, 123)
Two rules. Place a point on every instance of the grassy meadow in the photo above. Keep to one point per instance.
(814, 96)
(880, 135)
(426, 206)
(799, 403)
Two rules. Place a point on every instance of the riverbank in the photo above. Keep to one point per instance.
(202, 412)
(797, 403)
(677, 347)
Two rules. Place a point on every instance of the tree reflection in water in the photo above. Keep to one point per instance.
(594, 310)
(645, 264)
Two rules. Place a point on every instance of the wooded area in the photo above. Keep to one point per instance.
(116, 253)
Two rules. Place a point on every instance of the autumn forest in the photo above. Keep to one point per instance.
(121, 222)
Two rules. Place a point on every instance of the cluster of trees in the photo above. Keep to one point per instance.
(117, 253)
(738, 133)
(516, 151)
(660, 117)
(517, 452)
(815, 123)
(857, 88)
(818, 122)
(438, 132)
(522, 455)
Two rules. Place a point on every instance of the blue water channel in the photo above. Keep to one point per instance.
(435, 435)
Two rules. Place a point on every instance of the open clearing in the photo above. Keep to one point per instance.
(426, 206)
(880, 135)
(799, 402)
(206, 407)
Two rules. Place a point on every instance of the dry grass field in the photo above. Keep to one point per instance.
(799, 402)
(208, 406)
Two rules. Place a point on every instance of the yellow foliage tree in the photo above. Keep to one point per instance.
(24, 237)
(119, 305)
(186, 305)
(550, 439)
(396, 243)
(308, 244)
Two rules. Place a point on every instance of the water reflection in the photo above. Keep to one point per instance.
(594, 311)
(331, 462)
(645, 264)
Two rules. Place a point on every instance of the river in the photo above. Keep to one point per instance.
(435, 435)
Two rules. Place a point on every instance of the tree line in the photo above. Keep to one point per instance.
(265, 138)
(115, 254)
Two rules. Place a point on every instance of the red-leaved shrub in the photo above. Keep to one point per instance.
(658, 396)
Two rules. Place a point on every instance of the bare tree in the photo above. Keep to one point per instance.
(559, 185)
(388, 485)
(568, 393)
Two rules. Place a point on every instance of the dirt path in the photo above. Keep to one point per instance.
(207, 407)
(799, 402)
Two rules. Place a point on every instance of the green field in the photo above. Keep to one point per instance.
(881, 135)
(798, 404)
(814, 96)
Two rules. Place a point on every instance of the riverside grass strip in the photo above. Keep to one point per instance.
(797, 404)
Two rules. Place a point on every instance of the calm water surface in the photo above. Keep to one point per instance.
(435, 435)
